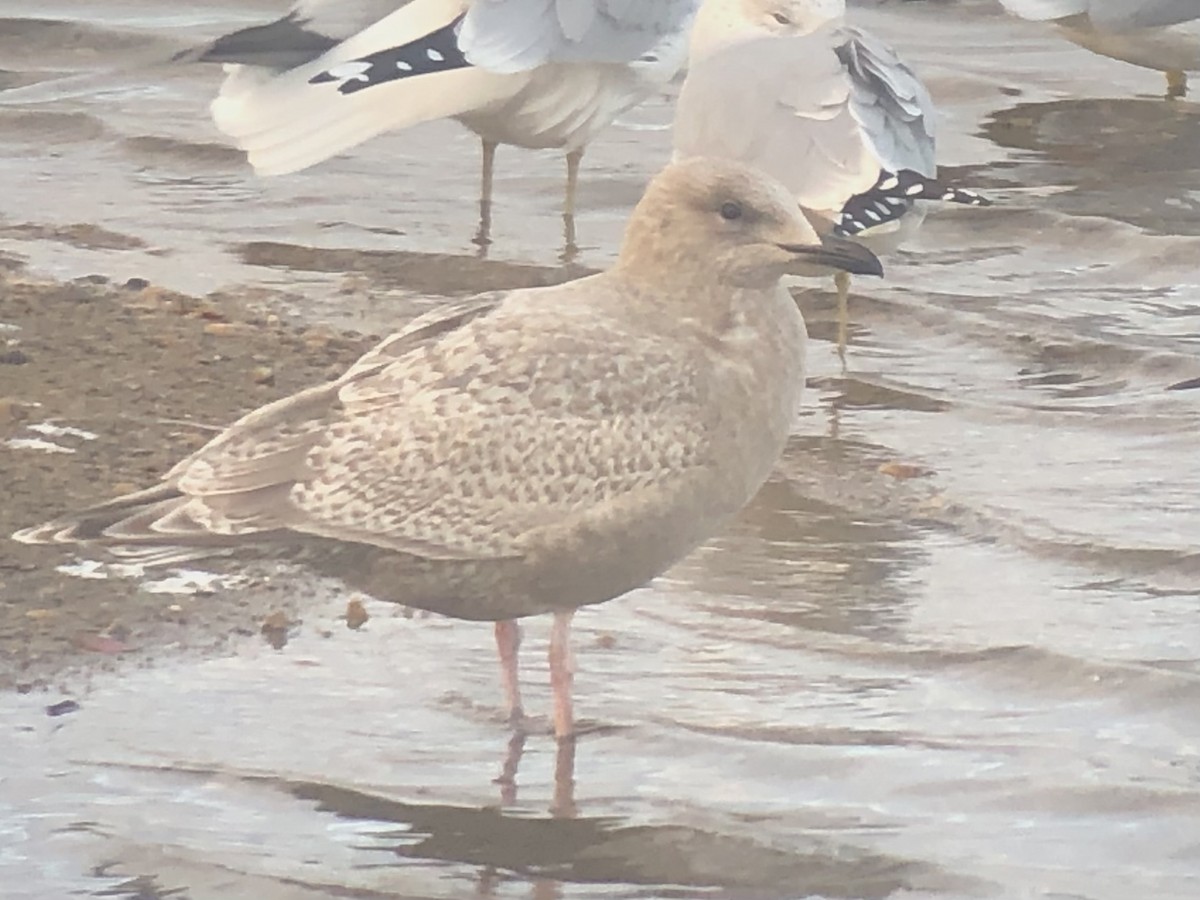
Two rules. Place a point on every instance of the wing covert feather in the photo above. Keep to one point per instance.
(458, 438)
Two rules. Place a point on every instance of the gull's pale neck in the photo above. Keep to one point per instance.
(720, 23)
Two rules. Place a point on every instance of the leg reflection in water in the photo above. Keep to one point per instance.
(561, 807)
(563, 804)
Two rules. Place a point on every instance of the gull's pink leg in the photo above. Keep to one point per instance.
(562, 675)
(508, 642)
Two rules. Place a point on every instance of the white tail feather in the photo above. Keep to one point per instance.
(285, 123)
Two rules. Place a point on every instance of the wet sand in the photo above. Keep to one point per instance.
(949, 651)
(144, 376)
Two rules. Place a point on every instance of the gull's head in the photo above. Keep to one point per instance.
(706, 220)
(791, 16)
(720, 22)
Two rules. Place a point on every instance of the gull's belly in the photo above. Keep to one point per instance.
(1177, 47)
(561, 105)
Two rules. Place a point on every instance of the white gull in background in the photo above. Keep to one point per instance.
(830, 111)
(525, 452)
(1155, 34)
(531, 73)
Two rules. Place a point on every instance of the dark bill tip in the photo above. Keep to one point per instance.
(839, 253)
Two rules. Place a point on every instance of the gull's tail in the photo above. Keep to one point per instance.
(405, 69)
(893, 195)
(123, 528)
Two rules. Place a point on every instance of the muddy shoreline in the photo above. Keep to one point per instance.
(104, 387)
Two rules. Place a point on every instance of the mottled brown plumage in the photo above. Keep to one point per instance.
(524, 452)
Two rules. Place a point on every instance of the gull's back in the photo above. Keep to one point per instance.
(517, 35)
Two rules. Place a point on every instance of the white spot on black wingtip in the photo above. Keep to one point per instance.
(349, 71)
(849, 226)
(965, 196)
(893, 196)
(437, 51)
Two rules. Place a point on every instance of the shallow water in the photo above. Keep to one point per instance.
(983, 682)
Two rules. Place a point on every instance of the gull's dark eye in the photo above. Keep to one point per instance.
(731, 211)
(782, 19)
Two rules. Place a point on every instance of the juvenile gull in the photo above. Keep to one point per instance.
(532, 73)
(831, 111)
(525, 452)
(1154, 34)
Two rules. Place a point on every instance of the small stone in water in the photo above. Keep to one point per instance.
(356, 615)
(62, 707)
(275, 629)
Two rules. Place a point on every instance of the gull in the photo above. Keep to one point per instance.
(1153, 34)
(530, 451)
(830, 111)
(531, 73)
